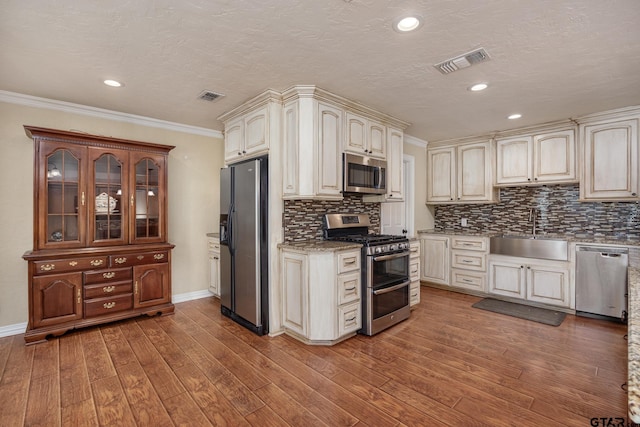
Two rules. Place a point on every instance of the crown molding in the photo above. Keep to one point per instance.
(68, 107)
(415, 141)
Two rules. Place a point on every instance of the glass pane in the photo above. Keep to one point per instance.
(146, 202)
(108, 191)
(62, 196)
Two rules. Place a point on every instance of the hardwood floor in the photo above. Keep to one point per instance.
(448, 365)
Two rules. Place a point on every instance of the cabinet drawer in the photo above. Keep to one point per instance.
(414, 293)
(214, 245)
(348, 261)
(71, 264)
(469, 243)
(100, 290)
(108, 305)
(414, 249)
(414, 269)
(139, 259)
(348, 287)
(349, 318)
(106, 276)
(469, 280)
(469, 260)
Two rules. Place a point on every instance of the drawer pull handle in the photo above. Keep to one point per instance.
(109, 275)
(350, 261)
(467, 281)
(468, 261)
(109, 305)
(96, 262)
(73, 263)
(158, 256)
(350, 289)
(140, 257)
(350, 320)
(120, 260)
(79, 297)
(47, 267)
(414, 271)
(108, 289)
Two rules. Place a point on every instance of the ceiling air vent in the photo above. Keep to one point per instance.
(463, 61)
(209, 95)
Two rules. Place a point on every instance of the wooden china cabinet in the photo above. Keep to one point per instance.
(100, 250)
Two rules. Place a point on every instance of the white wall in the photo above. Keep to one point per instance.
(193, 196)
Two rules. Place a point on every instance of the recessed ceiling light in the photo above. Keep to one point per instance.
(514, 116)
(409, 23)
(112, 83)
(478, 87)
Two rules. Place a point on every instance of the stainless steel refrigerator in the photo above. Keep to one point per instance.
(244, 250)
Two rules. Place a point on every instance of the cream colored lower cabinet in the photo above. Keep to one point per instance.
(414, 273)
(213, 246)
(321, 294)
(434, 249)
(541, 281)
(469, 262)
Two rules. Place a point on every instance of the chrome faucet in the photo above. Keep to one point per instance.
(532, 217)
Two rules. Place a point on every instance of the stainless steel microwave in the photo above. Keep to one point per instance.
(364, 174)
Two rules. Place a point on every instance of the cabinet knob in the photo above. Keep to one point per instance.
(535, 179)
(390, 195)
(239, 153)
(522, 266)
(528, 179)
(244, 151)
(634, 194)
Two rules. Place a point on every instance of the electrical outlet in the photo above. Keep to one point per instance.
(463, 222)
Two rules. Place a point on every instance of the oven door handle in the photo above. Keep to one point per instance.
(392, 256)
(392, 288)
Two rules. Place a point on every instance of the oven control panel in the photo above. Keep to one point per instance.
(389, 248)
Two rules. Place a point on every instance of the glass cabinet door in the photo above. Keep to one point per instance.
(148, 199)
(109, 196)
(61, 198)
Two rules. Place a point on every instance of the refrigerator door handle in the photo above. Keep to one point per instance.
(230, 230)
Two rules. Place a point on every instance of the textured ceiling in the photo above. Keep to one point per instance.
(550, 59)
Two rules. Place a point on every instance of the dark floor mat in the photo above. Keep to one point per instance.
(541, 315)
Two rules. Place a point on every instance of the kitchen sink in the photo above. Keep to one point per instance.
(530, 247)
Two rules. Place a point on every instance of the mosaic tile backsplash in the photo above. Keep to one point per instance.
(557, 211)
(303, 218)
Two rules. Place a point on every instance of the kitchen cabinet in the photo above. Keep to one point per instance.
(435, 256)
(312, 135)
(610, 159)
(460, 173)
(100, 250)
(469, 262)
(414, 272)
(395, 169)
(541, 158)
(365, 137)
(250, 128)
(541, 281)
(213, 252)
(322, 290)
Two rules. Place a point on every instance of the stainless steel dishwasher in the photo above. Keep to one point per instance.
(601, 282)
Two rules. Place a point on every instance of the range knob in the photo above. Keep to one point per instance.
(393, 247)
(378, 249)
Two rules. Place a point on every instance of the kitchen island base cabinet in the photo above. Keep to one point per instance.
(321, 291)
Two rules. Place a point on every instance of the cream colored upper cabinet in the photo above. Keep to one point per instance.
(441, 176)
(247, 134)
(395, 172)
(610, 151)
(460, 174)
(312, 135)
(536, 159)
(365, 137)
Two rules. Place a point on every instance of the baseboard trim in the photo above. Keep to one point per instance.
(190, 296)
(16, 329)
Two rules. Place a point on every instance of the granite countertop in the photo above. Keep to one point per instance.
(214, 235)
(633, 335)
(319, 245)
(569, 237)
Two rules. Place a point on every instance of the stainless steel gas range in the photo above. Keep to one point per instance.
(385, 270)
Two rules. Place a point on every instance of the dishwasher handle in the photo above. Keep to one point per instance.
(604, 251)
